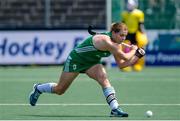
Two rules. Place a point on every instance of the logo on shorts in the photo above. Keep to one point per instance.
(74, 66)
(98, 56)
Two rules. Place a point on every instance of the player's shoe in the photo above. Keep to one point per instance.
(118, 113)
(34, 95)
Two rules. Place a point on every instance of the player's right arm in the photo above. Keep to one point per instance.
(122, 63)
(104, 43)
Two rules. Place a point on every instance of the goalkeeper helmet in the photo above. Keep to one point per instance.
(132, 4)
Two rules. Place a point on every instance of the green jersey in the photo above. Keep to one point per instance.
(84, 56)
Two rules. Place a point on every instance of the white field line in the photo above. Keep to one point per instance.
(83, 104)
(90, 120)
(121, 79)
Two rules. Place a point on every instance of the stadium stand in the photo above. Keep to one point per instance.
(79, 14)
(62, 13)
(161, 14)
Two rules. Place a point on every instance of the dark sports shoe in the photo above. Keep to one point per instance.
(118, 113)
(34, 95)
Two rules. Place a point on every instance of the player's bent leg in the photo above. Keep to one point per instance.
(98, 73)
(38, 89)
(64, 82)
(116, 111)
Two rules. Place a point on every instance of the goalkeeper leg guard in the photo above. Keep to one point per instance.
(139, 65)
(127, 69)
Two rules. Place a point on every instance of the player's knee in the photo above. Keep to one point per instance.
(59, 91)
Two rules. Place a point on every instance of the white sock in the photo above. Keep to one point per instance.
(109, 93)
(114, 104)
(47, 87)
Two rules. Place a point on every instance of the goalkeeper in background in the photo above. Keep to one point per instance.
(86, 58)
(134, 19)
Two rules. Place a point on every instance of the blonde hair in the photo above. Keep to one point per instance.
(117, 27)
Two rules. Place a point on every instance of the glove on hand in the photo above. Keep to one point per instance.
(140, 52)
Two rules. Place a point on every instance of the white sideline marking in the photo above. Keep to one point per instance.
(90, 120)
(85, 104)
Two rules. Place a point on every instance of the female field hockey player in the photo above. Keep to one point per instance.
(85, 58)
